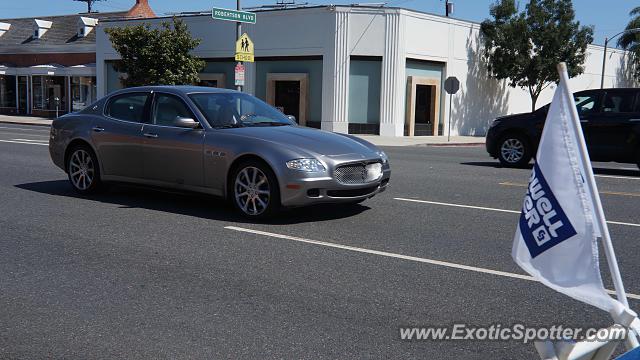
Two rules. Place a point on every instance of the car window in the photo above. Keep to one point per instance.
(167, 108)
(128, 107)
(586, 103)
(618, 102)
(237, 109)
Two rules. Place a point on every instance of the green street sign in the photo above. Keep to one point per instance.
(233, 15)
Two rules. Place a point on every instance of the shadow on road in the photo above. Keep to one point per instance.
(191, 204)
(596, 170)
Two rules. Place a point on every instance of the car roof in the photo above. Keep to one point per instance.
(176, 89)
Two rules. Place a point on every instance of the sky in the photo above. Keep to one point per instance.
(608, 17)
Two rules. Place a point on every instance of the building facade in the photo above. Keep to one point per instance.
(47, 64)
(364, 70)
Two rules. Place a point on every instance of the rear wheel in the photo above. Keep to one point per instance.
(83, 170)
(514, 150)
(254, 190)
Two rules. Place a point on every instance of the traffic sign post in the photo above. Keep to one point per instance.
(451, 86)
(244, 46)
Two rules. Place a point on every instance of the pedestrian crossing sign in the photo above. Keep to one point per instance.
(244, 48)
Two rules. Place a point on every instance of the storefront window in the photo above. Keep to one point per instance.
(49, 93)
(7, 91)
(83, 92)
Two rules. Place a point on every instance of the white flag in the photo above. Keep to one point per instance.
(556, 240)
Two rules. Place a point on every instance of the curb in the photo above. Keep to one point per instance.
(23, 123)
(454, 145)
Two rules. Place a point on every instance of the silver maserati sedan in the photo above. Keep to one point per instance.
(214, 141)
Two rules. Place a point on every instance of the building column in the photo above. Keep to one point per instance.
(394, 79)
(335, 77)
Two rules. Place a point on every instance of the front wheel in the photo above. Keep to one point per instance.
(514, 150)
(83, 170)
(254, 190)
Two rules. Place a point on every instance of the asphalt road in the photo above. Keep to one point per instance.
(137, 273)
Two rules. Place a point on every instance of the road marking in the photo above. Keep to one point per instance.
(398, 256)
(33, 140)
(619, 177)
(493, 209)
(507, 183)
(24, 142)
(24, 129)
(459, 205)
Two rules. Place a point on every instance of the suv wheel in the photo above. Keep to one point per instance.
(83, 170)
(254, 190)
(514, 150)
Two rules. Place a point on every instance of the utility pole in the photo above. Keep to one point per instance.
(448, 7)
(238, 34)
(89, 4)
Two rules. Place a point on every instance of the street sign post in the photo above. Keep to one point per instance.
(244, 48)
(451, 86)
(239, 72)
(233, 15)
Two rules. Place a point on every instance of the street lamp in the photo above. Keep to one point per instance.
(604, 57)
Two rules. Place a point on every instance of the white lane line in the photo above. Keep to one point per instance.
(493, 209)
(24, 142)
(619, 177)
(398, 256)
(33, 140)
(24, 129)
(459, 205)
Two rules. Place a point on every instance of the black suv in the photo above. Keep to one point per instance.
(610, 122)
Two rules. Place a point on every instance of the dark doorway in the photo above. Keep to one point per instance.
(287, 97)
(209, 83)
(424, 111)
(22, 94)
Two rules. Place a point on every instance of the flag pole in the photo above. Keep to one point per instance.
(593, 190)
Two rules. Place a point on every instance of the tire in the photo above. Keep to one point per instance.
(254, 190)
(514, 150)
(83, 170)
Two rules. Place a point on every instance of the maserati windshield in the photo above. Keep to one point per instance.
(237, 110)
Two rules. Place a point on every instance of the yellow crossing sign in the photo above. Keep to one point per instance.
(244, 49)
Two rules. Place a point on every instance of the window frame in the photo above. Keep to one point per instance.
(145, 111)
(152, 110)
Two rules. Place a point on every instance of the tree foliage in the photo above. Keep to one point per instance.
(631, 41)
(156, 56)
(525, 47)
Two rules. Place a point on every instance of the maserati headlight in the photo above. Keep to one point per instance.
(383, 156)
(306, 165)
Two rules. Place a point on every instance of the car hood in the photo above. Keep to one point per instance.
(312, 140)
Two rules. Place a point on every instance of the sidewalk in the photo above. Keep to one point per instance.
(374, 139)
(25, 120)
(423, 140)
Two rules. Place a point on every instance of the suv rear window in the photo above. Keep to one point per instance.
(618, 102)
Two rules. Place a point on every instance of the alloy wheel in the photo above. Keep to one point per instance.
(512, 150)
(81, 169)
(252, 191)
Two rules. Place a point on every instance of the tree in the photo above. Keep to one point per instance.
(631, 41)
(156, 56)
(525, 47)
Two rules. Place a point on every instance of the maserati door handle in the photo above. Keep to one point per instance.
(98, 129)
(150, 135)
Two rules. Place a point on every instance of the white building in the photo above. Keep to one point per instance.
(364, 69)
